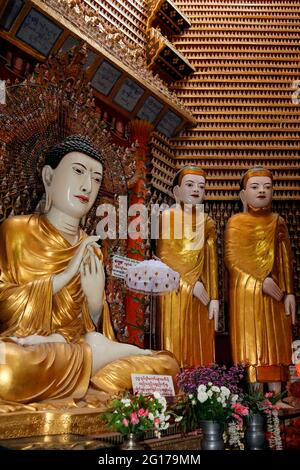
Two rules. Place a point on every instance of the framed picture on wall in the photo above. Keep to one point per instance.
(105, 77)
(168, 124)
(11, 12)
(150, 109)
(129, 94)
(39, 32)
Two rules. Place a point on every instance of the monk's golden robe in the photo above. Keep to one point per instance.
(182, 320)
(31, 252)
(257, 246)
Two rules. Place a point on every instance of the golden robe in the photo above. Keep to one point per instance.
(257, 246)
(183, 326)
(31, 252)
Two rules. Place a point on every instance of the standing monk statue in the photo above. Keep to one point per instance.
(261, 301)
(188, 317)
(52, 285)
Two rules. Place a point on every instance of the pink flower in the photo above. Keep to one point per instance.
(240, 409)
(269, 394)
(267, 404)
(238, 419)
(142, 412)
(134, 418)
(125, 422)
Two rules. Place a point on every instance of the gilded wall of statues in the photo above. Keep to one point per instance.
(243, 96)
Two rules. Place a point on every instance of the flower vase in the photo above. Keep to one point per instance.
(212, 438)
(255, 433)
(133, 441)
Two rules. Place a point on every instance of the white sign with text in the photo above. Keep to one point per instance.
(147, 384)
(120, 264)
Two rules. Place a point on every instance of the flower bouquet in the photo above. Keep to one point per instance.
(213, 404)
(262, 404)
(211, 395)
(138, 413)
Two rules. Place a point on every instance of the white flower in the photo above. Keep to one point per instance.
(273, 426)
(225, 391)
(164, 426)
(215, 388)
(234, 398)
(210, 393)
(126, 402)
(236, 435)
(157, 395)
(201, 388)
(210, 384)
(178, 419)
(163, 402)
(202, 397)
(151, 416)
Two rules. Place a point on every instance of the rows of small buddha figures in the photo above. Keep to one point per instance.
(244, 103)
(52, 284)
(224, 166)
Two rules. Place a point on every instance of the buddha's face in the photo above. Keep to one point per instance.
(74, 184)
(258, 192)
(191, 189)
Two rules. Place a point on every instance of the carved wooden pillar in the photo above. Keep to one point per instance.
(135, 302)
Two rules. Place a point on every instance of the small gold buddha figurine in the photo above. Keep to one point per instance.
(52, 286)
(261, 301)
(188, 318)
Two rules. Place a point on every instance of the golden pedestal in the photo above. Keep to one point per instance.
(48, 423)
(78, 429)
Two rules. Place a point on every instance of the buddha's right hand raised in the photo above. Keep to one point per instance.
(270, 288)
(62, 279)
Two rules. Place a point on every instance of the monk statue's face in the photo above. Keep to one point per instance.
(191, 189)
(74, 184)
(258, 192)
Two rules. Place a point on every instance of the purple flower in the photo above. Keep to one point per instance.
(189, 379)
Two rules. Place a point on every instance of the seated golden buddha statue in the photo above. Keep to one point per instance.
(262, 305)
(52, 285)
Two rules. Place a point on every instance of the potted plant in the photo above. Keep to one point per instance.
(211, 400)
(262, 407)
(132, 415)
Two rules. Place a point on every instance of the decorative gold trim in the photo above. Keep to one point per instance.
(106, 40)
(154, 6)
(44, 423)
(157, 42)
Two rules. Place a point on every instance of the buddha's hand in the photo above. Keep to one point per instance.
(93, 282)
(290, 306)
(62, 279)
(38, 339)
(201, 293)
(213, 312)
(270, 288)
